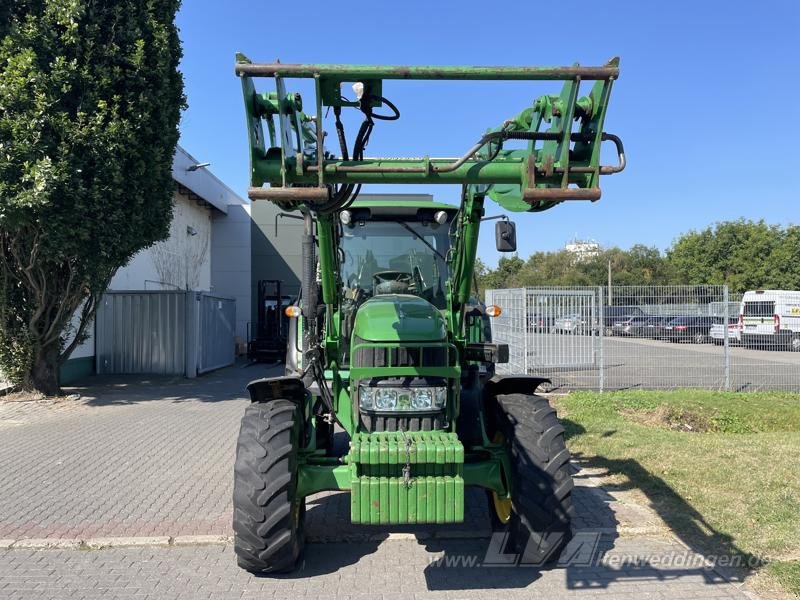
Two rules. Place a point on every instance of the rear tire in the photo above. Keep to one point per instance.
(267, 517)
(794, 344)
(699, 338)
(541, 502)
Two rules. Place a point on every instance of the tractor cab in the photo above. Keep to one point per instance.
(394, 252)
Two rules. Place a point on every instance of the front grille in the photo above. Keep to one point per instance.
(399, 356)
(372, 422)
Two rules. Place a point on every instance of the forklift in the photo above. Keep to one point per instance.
(272, 327)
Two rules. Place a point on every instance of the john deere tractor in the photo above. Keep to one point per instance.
(388, 345)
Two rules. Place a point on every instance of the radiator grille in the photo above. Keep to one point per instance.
(377, 423)
(402, 356)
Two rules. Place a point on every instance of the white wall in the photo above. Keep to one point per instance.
(230, 261)
(181, 261)
(170, 264)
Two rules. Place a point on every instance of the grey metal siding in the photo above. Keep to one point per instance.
(141, 332)
(217, 323)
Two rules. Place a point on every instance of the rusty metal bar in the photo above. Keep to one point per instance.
(357, 72)
(560, 194)
(314, 195)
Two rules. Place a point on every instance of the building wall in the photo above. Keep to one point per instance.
(230, 261)
(170, 264)
(274, 256)
(182, 261)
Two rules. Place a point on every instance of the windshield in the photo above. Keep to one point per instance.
(761, 308)
(395, 257)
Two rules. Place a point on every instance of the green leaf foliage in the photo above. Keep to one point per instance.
(743, 254)
(90, 100)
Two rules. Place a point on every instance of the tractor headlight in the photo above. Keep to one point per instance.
(391, 399)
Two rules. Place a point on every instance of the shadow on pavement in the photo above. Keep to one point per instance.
(469, 556)
(217, 386)
(709, 553)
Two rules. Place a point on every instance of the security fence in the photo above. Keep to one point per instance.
(647, 337)
(164, 332)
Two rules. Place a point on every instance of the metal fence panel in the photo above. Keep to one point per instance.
(562, 328)
(141, 332)
(510, 327)
(217, 323)
(626, 337)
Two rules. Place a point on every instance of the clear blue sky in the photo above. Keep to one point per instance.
(707, 102)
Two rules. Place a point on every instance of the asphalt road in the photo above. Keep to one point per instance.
(573, 361)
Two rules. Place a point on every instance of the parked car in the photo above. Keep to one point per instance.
(642, 326)
(540, 323)
(613, 314)
(655, 327)
(573, 323)
(631, 326)
(717, 333)
(693, 329)
(771, 318)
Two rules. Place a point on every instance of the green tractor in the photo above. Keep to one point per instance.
(388, 343)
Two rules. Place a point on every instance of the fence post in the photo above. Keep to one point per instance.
(602, 329)
(726, 351)
(525, 327)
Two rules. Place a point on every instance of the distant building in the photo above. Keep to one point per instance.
(208, 250)
(582, 249)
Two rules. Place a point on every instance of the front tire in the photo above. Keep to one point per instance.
(267, 517)
(538, 518)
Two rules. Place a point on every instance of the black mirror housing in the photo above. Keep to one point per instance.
(505, 236)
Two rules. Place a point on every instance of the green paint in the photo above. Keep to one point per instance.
(433, 492)
(398, 317)
(75, 369)
(561, 136)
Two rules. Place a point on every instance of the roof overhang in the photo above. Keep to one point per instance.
(202, 182)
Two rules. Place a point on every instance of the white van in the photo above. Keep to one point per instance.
(770, 318)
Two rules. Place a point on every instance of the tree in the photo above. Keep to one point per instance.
(743, 254)
(90, 100)
(505, 275)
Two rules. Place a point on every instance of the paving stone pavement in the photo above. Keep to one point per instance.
(146, 457)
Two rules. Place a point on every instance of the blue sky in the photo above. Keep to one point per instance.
(706, 103)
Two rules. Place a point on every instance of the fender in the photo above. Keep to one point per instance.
(277, 388)
(514, 384)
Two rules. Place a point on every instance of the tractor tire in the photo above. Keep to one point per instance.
(267, 518)
(538, 526)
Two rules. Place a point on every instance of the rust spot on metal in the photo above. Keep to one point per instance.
(560, 194)
(290, 194)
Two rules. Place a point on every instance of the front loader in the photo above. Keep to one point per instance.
(388, 343)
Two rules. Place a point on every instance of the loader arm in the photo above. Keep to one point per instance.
(563, 134)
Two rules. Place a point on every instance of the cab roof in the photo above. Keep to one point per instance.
(403, 201)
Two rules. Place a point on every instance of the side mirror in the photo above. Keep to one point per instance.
(505, 236)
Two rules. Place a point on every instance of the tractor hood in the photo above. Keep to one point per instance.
(399, 318)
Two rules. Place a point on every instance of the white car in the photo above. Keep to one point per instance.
(573, 323)
(771, 319)
(717, 333)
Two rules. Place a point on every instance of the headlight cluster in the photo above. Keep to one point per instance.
(397, 398)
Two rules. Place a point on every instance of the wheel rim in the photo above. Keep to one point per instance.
(502, 506)
(796, 344)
